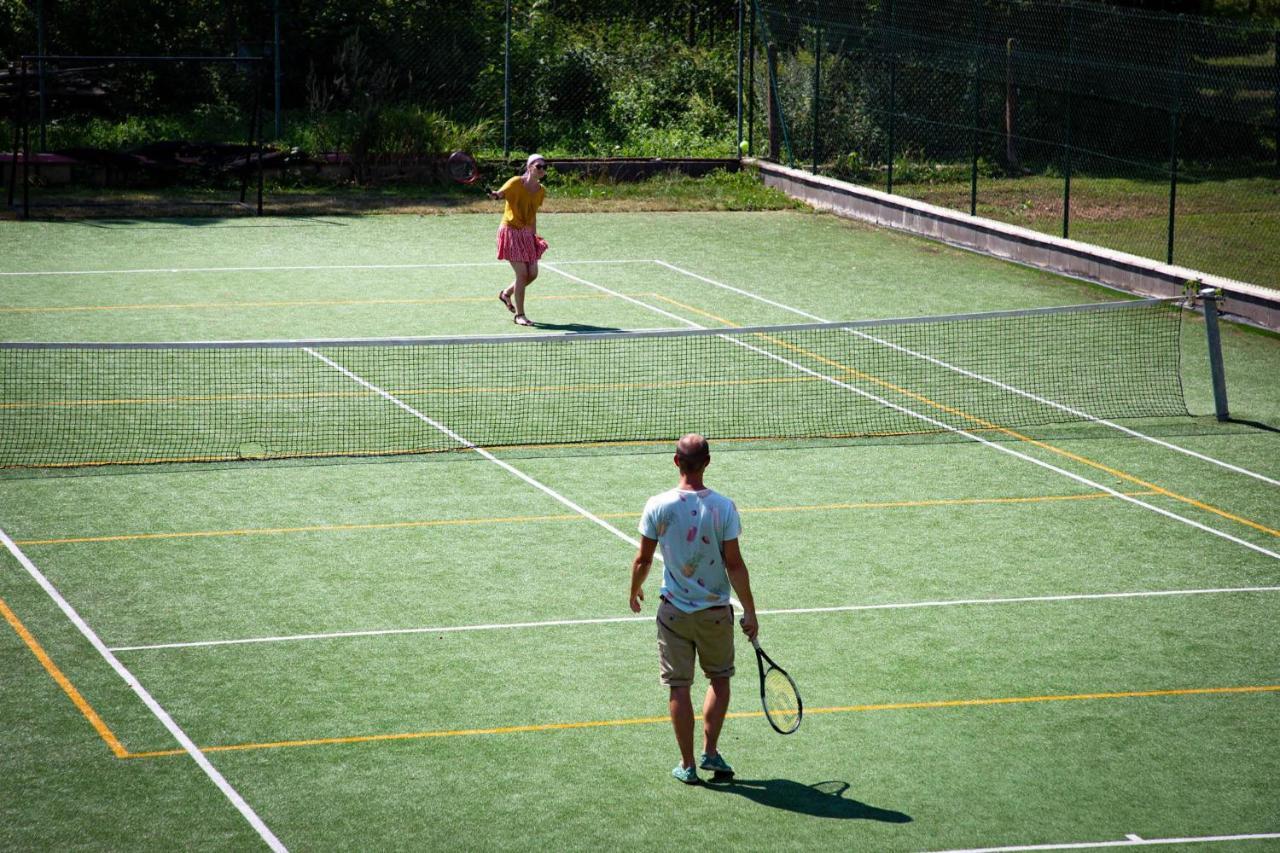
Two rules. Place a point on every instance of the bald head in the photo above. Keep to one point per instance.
(692, 453)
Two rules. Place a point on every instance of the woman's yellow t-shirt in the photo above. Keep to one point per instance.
(521, 210)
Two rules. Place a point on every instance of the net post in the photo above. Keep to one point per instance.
(1210, 296)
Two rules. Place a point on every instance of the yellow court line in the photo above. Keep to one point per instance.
(852, 371)
(282, 303)
(65, 683)
(522, 519)
(848, 709)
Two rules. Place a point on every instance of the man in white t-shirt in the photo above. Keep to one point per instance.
(698, 531)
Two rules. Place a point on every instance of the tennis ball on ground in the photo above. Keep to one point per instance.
(743, 147)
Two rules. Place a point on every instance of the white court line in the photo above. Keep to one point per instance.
(301, 268)
(1074, 412)
(939, 424)
(1130, 840)
(609, 620)
(471, 446)
(160, 713)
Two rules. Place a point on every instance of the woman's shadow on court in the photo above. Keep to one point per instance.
(823, 799)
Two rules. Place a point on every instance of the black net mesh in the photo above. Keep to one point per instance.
(79, 404)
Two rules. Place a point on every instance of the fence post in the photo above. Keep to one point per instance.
(738, 143)
(977, 102)
(1010, 108)
(40, 28)
(893, 96)
(23, 96)
(1173, 135)
(1066, 145)
(817, 77)
(277, 74)
(17, 140)
(506, 83)
(751, 80)
(775, 126)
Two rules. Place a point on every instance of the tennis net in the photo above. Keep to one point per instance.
(68, 404)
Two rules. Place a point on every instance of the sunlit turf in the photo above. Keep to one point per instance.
(555, 736)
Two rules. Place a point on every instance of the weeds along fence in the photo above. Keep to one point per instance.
(1151, 133)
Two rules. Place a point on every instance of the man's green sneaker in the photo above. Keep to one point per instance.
(687, 775)
(716, 764)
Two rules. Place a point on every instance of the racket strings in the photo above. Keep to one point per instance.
(781, 701)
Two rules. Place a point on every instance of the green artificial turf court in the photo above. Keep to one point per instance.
(1064, 636)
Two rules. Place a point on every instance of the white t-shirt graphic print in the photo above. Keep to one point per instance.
(691, 527)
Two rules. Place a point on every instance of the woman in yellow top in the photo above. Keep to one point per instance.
(518, 240)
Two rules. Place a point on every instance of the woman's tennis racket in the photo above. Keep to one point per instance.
(782, 705)
(462, 167)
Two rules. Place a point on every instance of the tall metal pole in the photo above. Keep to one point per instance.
(26, 140)
(40, 70)
(275, 57)
(259, 81)
(17, 141)
(977, 106)
(893, 96)
(1066, 143)
(738, 143)
(817, 90)
(751, 80)
(1173, 138)
(506, 85)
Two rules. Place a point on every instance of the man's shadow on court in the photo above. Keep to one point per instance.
(823, 799)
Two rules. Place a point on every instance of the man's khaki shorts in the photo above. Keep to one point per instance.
(706, 634)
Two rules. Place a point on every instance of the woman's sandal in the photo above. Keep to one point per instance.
(521, 320)
(506, 300)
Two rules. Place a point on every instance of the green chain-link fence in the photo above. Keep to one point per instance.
(393, 82)
(1150, 133)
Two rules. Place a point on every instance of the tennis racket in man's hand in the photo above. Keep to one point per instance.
(782, 705)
